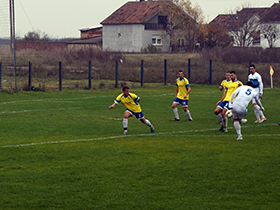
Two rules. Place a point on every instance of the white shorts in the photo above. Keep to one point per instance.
(258, 94)
(238, 112)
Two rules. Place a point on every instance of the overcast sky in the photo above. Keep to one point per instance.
(64, 18)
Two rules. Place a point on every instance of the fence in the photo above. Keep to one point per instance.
(113, 74)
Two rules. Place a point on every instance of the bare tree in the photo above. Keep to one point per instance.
(182, 22)
(271, 33)
(245, 26)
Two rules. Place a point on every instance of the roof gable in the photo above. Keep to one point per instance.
(273, 15)
(134, 13)
(235, 21)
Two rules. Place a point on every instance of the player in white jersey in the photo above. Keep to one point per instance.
(256, 79)
(239, 101)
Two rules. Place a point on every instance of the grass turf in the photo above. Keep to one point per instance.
(65, 150)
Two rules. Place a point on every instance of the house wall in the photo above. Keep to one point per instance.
(130, 38)
(264, 42)
(124, 38)
(147, 39)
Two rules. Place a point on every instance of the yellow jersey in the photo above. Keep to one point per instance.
(232, 86)
(225, 83)
(130, 102)
(182, 85)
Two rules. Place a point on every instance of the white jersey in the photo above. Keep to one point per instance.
(256, 79)
(242, 96)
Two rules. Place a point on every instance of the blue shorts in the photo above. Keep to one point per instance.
(184, 103)
(224, 105)
(138, 115)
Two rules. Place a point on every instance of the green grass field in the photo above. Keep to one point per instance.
(66, 150)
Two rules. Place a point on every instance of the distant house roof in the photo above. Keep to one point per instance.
(235, 21)
(134, 13)
(224, 20)
(273, 15)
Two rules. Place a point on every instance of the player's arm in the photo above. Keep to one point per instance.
(138, 99)
(223, 97)
(260, 86)
(176, 91)
(188, 91)
(113, 105)
(221, 87)
(117, 100)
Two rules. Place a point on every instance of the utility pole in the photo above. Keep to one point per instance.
(13, 39)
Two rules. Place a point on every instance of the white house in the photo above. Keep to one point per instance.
(134, 26)
(252, 20)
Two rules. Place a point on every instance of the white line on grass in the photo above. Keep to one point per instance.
(155, 134)
(44, 110)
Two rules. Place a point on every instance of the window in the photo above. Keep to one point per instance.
(156, 41)
(257, 38)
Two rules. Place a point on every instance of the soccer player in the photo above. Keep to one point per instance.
(225, 81)
(239, 101)
(223, 86)
(222, 104)
(182, 96)
(256, 79)
(131, 102)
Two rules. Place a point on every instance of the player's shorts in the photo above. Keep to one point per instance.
(224, 104)
(184, 103)
(238, 112)
(258, 94)
(138, 115)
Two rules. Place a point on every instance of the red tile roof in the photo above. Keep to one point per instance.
(235, 21)
(273, 15)
(134, 13)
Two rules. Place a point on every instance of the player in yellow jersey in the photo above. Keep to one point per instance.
(225, 81)
(131, 102)
(182, 96)
(223, 85)
(224, 101)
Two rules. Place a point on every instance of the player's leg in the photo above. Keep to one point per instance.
(238, 113)
(188, 113)
(225, 120)
(258, 112)
(175, 109)
(238, 129)
(147, 122)
(218, 113)
(127, 114)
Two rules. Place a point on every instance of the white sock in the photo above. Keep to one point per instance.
(148, 123)
(175, 110)
(219, 116)
(189, 114)
(237, 127)
(125, 123)
(256, 110)
(225, 123)
(260, 111)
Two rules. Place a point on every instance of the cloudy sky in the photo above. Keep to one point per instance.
(64, 18)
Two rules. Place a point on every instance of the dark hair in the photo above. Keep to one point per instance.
(252, 65)
(125, 88)
(228, 72)
(180, 71)
(249, 83)
(233, 72)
